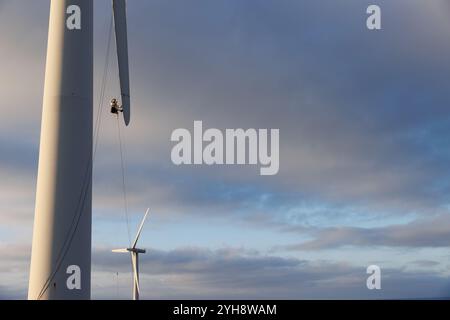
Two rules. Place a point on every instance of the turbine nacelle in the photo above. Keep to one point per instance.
(126, 250)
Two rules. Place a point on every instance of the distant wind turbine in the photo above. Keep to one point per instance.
(135, 258)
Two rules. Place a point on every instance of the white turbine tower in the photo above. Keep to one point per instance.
(61, 251)
(134, 251)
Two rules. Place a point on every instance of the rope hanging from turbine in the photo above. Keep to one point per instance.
(124, 189)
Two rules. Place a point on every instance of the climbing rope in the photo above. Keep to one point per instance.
(124, 189)
(103, 89)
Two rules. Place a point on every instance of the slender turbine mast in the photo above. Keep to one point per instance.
(61, 251)
(135, 258)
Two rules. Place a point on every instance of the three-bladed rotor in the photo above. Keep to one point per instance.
(134, 251)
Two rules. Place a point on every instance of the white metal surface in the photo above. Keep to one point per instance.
(62, 225)
(140, 229)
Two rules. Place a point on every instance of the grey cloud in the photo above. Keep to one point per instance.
(426, 263)
(370, 142)
(352, 107)
(420, 233)
(361, 115)
(198, 273)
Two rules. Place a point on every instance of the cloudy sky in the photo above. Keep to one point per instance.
(364, 122)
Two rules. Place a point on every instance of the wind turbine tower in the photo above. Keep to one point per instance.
(61, 251)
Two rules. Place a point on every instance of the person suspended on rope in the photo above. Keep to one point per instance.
(115, 107)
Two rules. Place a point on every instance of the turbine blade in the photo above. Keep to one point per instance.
(120, 23)
(120, 250)
(140, 229)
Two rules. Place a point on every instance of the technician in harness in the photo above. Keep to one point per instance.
(115, 107)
